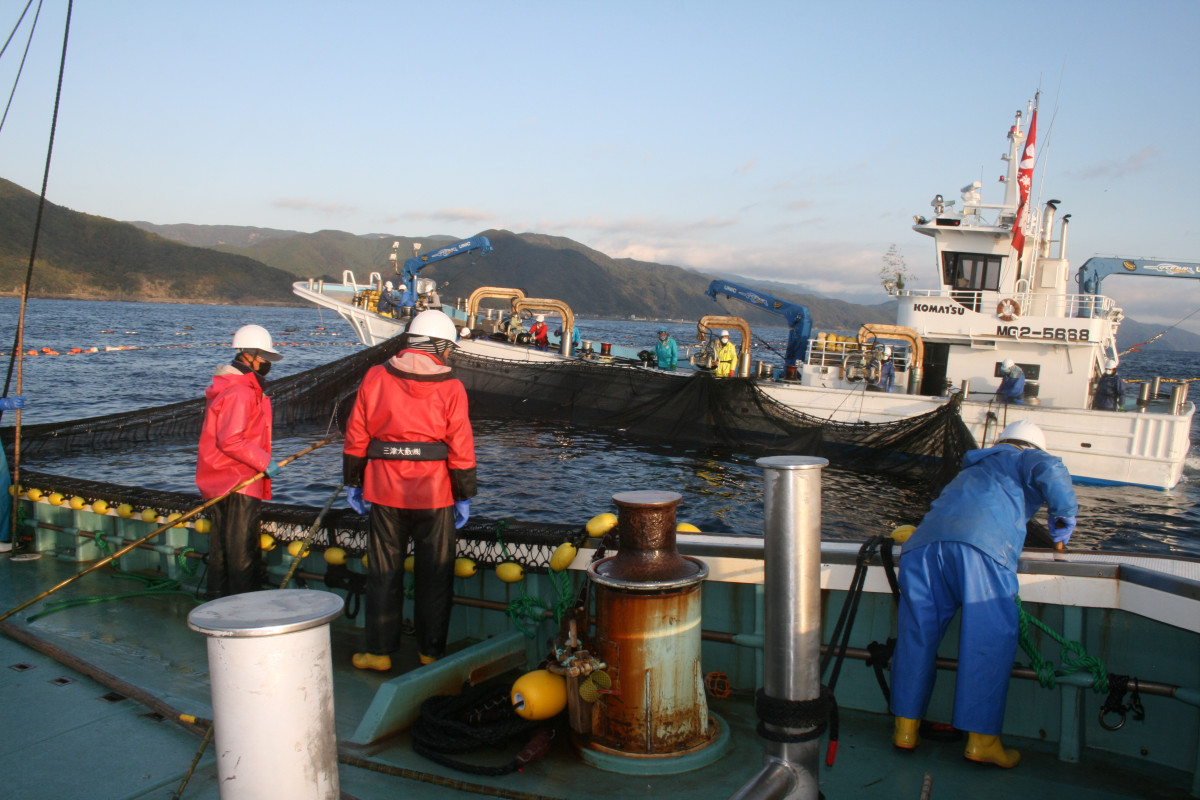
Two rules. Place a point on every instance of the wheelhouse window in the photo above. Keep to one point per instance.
(969, 274)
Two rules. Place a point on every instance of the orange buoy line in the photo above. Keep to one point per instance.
(50, 351)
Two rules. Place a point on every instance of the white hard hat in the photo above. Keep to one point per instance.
(541, 318)
(464, 332)
(387, 284)
(1006, 364)
(724, 334)
(1024, 432)
(1110, 363)
(402, 288)
(887, 350)
(435, 325)
(255, 337)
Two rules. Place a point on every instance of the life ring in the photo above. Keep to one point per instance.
(1008, 309)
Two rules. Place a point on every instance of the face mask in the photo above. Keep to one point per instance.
(263, 368)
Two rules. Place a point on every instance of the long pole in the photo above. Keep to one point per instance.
(157, 531)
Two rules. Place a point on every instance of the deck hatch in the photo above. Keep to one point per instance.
(21, 667)
(62, 681)
(112, 697)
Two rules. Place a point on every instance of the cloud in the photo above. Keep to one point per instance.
(1119, 169)
(304, 204)
(447, 215)
(745, 168)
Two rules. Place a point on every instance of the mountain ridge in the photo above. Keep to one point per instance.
(82, 256)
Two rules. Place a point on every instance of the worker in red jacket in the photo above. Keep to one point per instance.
(410, 454)
(540, 333)
(235, 444)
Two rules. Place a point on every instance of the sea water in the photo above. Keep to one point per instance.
(537, 471)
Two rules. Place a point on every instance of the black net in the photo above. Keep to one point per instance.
(297, 401)
(704, 410)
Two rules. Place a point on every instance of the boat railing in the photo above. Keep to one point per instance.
(832, 349)
(348, 279)
(1026, 303)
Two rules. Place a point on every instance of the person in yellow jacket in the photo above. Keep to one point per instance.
(727, 357)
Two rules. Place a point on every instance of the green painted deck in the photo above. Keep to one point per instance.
(67, 736)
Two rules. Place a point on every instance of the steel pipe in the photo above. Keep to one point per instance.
(792, 619)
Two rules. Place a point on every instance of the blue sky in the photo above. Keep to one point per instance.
(789, 141)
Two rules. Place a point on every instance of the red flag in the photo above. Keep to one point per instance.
(1024, 182)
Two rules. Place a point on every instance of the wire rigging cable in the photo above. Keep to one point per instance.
(24, 55)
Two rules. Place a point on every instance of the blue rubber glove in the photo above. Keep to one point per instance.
(462, 513)
(272, 469)
(12, 403)
(355, 499)
(1061, 528)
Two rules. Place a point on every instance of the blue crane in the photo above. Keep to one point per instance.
(1094, 270)
(797, 316)
(417, 263)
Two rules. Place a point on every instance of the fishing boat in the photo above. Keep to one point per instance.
(1004, 296)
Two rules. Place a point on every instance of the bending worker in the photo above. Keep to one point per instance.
(540, 333)
(410, 454)
(1110, 389)
(1012, 385)
(964, 555)
(235, 444)
(666, 351)
(726, 357)
(387, 302)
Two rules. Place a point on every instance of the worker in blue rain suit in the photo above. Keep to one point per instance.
(1110, 389)
(7, 404)
(963, 555)
(408, 299)
(409, 455)
(1012, 385)
(666, 351)
(387, 301)
(887, 371)
(576, 337)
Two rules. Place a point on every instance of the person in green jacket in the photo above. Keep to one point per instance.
(666, 351)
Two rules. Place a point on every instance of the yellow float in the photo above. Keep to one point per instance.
(510, 572)
(149, 515)
(295, 547)
(686, 527)
(539, 694)
(124, 511)
(601, 524)
(204, 526)
(464, 567)
(77, 503)
(100, 506)
(902, 533)
(265, 540)
(335, 556)
(564, 554)
(409, 563)
(55, 498)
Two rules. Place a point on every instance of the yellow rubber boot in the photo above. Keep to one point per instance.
(907, 735)
(371, 661)
(986, 749)
(424, 659)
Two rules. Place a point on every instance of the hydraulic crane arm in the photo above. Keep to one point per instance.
(797, 316)
(1094, 270)
(417, 263)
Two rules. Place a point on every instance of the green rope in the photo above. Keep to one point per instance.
(529, 608)
(1074, 657)
(185, 563)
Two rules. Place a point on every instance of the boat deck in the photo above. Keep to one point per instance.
(70, 735)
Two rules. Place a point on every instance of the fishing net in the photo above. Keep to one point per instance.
(297, 401)
(704, 410)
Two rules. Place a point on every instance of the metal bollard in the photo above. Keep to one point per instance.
(1143, 398)
(270, 664)
(1154, 384)
(1179, 393)
(792, 619)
